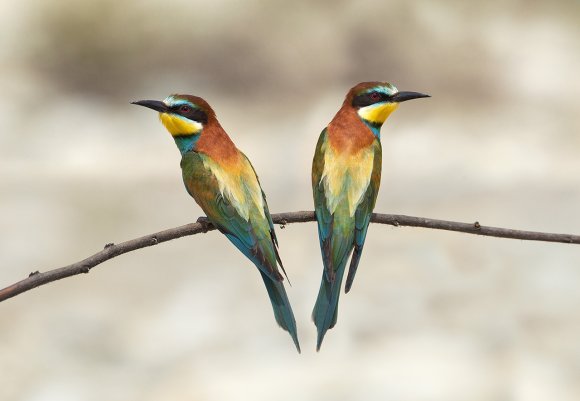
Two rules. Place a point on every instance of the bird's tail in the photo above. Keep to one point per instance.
(281, 306)
(325, 310)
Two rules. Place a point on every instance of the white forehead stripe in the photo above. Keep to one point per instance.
(171, 101)
(388, 89)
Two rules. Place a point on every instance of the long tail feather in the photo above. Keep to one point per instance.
(325, 310)
(353, 266)
(281, 306)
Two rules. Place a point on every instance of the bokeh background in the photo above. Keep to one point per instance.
(432, 315)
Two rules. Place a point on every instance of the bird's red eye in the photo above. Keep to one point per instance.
(184, 109)
(375, 96)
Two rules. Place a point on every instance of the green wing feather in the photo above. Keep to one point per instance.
(336, 237)
(254, 237)
(270, 224)
(339, 233)
(363, 215)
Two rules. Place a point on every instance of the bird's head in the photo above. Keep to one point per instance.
(375, 101)
(184, 116)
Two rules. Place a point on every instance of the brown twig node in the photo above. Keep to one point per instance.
(203, 225)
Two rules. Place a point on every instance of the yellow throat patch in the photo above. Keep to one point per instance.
(377, 113)
(178, 125)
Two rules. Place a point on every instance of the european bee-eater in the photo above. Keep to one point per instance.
(224, 184)
(346, 174)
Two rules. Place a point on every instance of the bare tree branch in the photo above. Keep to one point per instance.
(110, 251)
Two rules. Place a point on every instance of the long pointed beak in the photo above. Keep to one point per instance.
(404, 96)
(152, 104)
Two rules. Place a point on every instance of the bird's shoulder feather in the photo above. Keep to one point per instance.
(233, 200)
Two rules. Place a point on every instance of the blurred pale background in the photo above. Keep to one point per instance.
(432, 315)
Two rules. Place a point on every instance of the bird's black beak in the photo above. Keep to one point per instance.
(153, 104)
(404, 96)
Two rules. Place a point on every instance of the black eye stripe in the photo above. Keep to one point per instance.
(366, 99)
(193, 113)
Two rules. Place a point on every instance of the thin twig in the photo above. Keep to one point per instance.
(110, 251)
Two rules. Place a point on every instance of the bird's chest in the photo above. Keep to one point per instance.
(346, 177)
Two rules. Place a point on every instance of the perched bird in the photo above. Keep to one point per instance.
(346, 174)
(224, 184)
